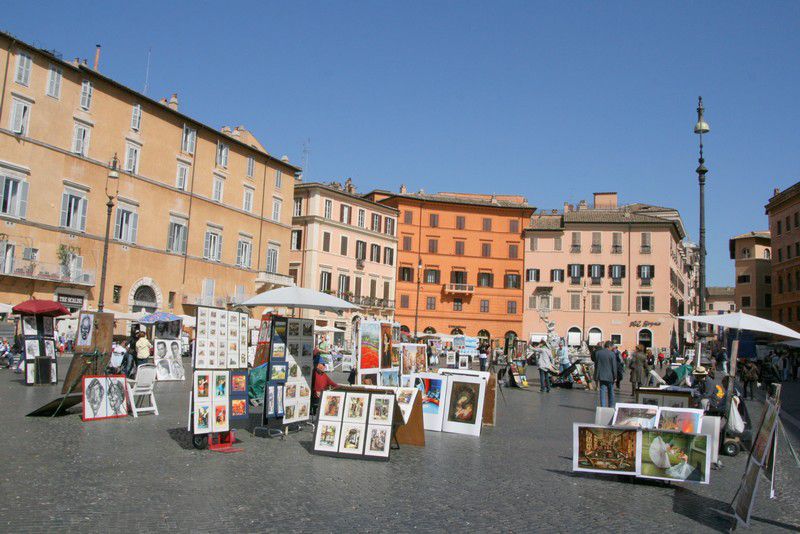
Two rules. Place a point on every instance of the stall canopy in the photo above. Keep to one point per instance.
(743, 321)
(5, 308)
(48, 308)
(300, 297)
(159, 317)
(327, 329)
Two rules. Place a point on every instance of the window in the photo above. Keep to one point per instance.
(745, 254)
(408, 216)
(779, 228)
(272, 259)
(375, 253)
(328, 213)
(596, 244)
(7, 257)
(780, 254)
(484, 306)
(247, 199)
(116, 294)
(433, 246)
(20, 116)
(343, 246)
(616, 302)
(276, 209)
(406, 242)
(388, 256)
(767, 300)
(513, 251)
(376, 222)
(458, 277)
(485, 279)
(487, 225)
(298, 207)
(373, 284)
(278, 178)
(556, 303)
(132, 153)
(430, 303)
(188, 140)
(434, 220)
(136, 117)
(743, 279)
(457, 304)
(746, 302)
(182, 177)
(534, 243)
(596, 301)
(326, 241)
(460, 222)
(646, 273)
(617, 273)
(596, 273)
(209, 285)
(345, 213)
(645, 303)
(212, 247)
(511, 307)
(251, 166)
(54, 78)
(222, 155)
(81, 134)
(126, 223)
(73, 210)
(780, 285)
(344, 284)
(23, 73)
(767, 279)
(532, 275)
(616, 243)
(646, 246)
(361, 250)
(576, 271)
(388, 226)
(796, 219)
(219, 188)
(513, 226)
(486, 250)
(574, 301)
(576, 242)
(459, 248)
(557, 275)
(297, 239)
(86, 94)
(512, 281)
(404, 301)
(13, 196)
(244, 252)
(432, 276)
(557, 243)
(176, 237)
(324, 281)
(361, 218)
(406, 274)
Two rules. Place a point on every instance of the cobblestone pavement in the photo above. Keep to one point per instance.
(142, 474)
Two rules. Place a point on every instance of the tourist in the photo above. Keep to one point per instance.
(143, 347)
(69, 337)
(750, 378)
(5, 351)
(319, 383)
(639, 369)
(722, 360)
(769, 375)
(605, 374)
(483, 357)
(563, 358)
(620, 365)
(544, 360)
(784, 367)
(661, 358)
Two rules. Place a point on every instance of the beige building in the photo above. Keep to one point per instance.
(752, 254)
(609, 272)
(783, 211)
(199, 215)
(346, 245)
(720, 300)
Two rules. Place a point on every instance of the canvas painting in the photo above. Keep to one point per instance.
(743, 501)
(368, 379)
(29, 325)
(202, 386)
(381, 409)
(202, 418)
(464, 405)
(396, 355)
(600, 449)
(327, 439)
(390, 378)
(432, 388)
(331, 405)
(279, 331)
(635, 415)
(220, 390)
(32, 349)
(369, 344)
(352, 438)
(221, 421)
(85, 330)
(47, 326)
(684, 420)
(386, 345)
(666, 455)
(405, 401)
(278, 351)
(355, 407)
(277, 371)
(238, 383)
(378, 440)
(765, 431)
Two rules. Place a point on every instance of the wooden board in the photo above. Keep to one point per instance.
(80, 365)
(102, 332)
(413, 432)
(57, 406)
(490, 401)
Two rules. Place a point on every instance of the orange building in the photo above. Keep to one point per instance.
(460, 262)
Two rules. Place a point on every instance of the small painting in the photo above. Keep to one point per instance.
(238, 408)
(352, 439)
(378, 440)
(327, 439)
(31, 349)
(355, 407)
(202, 386)
(221, 423)
(600, 449)
(390, 378)
(675, 456)
(369, 344)
(386, 345)
(238, 383)
(381, 409)
(220, 385)
(308, 328)
(202, 424)
(684, 420)
(277, 372)
(331, 405)
(635, 415)
(29, 325)
(463, 402)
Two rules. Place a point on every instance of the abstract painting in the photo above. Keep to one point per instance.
(355, 407)
(369, 344)
(386, 345)
(381, 409)
(675, 456)
(331, 405)
(464, 405)
(378, 440)
(684, 420)
(432, 388)
(600, 449)
(352, 439)
(635, 415)
(327, 439)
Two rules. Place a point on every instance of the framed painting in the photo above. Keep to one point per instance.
(202, 386)
(49, 348)
(47, 326)
(378, 440)
(635, 415)
(381, 409)
(674, 456)
(238, 408)
(279, 401)
(32, 349)
(221, 420)
(277, 371)
(409, 358)
(327, 437)
(686, 420)
(29, 325)
(351, 440)
(386, 345)
(390, 378)
(405, 400)
(603, 449)
(279, 331)
(202, 418)
(369, 345)
(368, 379)
(433, 389)
(420, 358)
(239, 383)
(307, 328)
(463, 362)
(356, 406)
(85, 334)
(331, 406)
(104, 397)
(220, 391)
(464, 405)
(450, 357)
(278, 351)
(294, 328)
(396, 355)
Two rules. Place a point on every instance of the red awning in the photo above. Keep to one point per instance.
(47, 308)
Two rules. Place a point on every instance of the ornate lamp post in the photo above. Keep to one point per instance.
(111, 179)
(416, 308)
(701, 128)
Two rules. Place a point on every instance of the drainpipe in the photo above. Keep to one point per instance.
(189, 222)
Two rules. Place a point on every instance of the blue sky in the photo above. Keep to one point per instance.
(536, 98)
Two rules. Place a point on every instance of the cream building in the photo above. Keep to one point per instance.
(199, 215)
(346, 245)
(752, 255)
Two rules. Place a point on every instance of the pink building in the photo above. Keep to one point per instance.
(609, 272)
(345, 245)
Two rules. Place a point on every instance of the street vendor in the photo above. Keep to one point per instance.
(320, 382)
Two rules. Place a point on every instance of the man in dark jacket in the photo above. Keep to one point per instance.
(605, 373)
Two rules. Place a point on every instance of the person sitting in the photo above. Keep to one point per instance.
(5, 351)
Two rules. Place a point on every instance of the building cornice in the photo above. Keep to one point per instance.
(304, 220)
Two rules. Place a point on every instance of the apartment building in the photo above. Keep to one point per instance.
(198, 215)
(783, 212)
(460, 262)
(609, 272)
(752, 255)
(345, 245)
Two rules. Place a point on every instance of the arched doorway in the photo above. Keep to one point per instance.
(574, 335)
(456, 332)
(144, 299)
(595, 336)
(429, 330)
(484, 335)
(645, 338)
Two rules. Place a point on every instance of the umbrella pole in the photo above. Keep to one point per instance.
(732, 371)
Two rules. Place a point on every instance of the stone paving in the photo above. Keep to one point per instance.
(143, 475)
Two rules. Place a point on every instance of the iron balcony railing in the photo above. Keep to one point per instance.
(38, 270)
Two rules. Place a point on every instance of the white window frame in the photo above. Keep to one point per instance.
(223, 151)
(218, 188)
(212, 245)
(20, 116)
(182, 176)
(328, 213)
(277, 206)
(273, 253)
(298, 207)
(126, 223)
(177, 234)
(87, 91)
(136, 117)
(22, 73)
(133, 155)
(244, 252)
(188, 140)
(248, 195)
(81, 137)
(295, 240)
(73, 219)
(278, 178)
(251, 166)
(362, 218)
(7, 252)
(54, 78)
(18, 205)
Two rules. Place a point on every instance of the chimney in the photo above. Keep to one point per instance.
(582, 205)
(567, 207)
(163, 101)
(493, 199)
(605, 201)
(403, 189)
(285, 158)
(776, 191)
(173, 101)
(96, 56)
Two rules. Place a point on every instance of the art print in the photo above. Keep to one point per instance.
(390, 378)
(674, 456)
(369, 345)
(29, 325)
(167, 359)
(463, 362)
(432, 390)
(238, 383)
(221, 422)
(304, 391)
(355, 407)
(294, 371)
(463, 406)
(649, 399)
(278, 351)
(220, 385)
(30, 372)
(378, 440)
(386, 345)
(279, 332)
(202, 418)
(421, 359)
(450, 357)
(202, 386)
(405, 401)
(31, 349)
(279, 400)
(168, 329)
(635, 415)
(263, 331)
(352, 439)
(331, 405)
(294, 328)
(291, 391)
(684, 420)
(327, 439)
(238, 408)
(381, 409)
(294, 350)
(308, 328)
(277, 371)
(368, 379)
(47, 326)
(601, 449)
(49, 348)
(270, 408)
(85, 330)
(308, 350)
(104, 397)
(396, 355)
(289, 413)
(409, 358)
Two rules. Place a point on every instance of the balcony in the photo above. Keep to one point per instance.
(459, 288)
(205, 300)
(647, 281)
(645, 249)
(360, 264)
(575, 248)
(616, 249)
(50, 272)
(274, 279)
(616, 281)
(596, 249)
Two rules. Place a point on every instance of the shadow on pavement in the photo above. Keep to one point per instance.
(704, 510)
(592, 410)
(182, 437)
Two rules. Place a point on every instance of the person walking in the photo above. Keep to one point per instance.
(620, 365)
(544, 360)
(143, 347)
(563, 359)
(750, 378)
(639, 369)
(605, 374)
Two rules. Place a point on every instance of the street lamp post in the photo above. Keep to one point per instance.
(584, 294)
(701, 128)
(416, 308)
(113, 175)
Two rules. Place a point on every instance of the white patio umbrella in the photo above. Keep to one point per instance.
(5, 308)
(743, 321)
(300, 297)
(327, 329)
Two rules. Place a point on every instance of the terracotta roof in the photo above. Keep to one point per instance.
(720, 291)
(611, 216)
(299, 186)
(760, 234)
(448, 199)
(546, 222)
